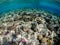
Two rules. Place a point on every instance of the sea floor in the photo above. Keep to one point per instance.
(29, 27)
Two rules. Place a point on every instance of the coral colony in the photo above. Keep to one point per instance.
(29, 27)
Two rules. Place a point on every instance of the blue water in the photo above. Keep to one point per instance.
(51, 6)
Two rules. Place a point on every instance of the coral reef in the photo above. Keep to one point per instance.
(29, 27)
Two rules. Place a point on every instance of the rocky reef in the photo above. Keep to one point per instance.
(29, 27)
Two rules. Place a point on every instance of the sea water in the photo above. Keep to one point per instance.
(49, 5)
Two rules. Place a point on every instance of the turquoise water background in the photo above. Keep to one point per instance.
(49, 5)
